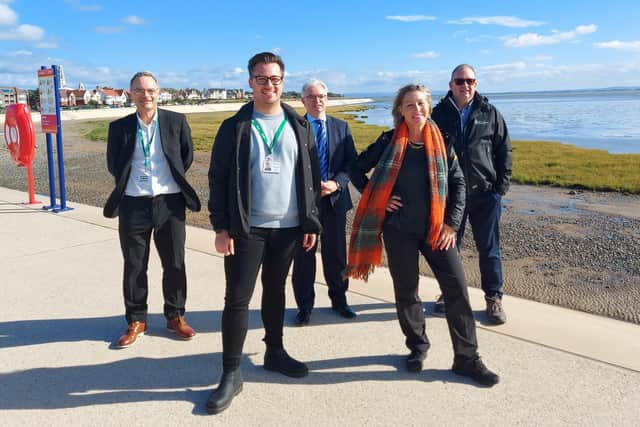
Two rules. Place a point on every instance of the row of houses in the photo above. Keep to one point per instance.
(121, 97)
(97, 96)
(109, 96)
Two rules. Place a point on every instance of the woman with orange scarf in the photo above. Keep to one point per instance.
(414, 200)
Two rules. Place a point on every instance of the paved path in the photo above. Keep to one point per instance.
(62, 310)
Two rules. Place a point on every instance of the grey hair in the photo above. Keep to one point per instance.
(314, 82)
(140, 74)
(460, 67)
(402, 92)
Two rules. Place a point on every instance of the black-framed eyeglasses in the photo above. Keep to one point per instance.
(460, 82)
(262, 80)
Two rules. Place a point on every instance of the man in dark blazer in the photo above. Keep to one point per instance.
(148, 154)
(336, 151)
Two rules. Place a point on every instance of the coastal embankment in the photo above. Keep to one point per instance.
(110, 113)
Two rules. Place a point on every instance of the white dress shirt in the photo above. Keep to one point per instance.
(155, 179)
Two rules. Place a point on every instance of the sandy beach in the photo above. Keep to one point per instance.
(576, 249)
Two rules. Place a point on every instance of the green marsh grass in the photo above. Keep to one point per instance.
(534, 162)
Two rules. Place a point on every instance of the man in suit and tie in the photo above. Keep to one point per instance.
(336, 151)
(148, 154)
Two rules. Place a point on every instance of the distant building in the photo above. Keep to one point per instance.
(81, 97)
(112, 97)
(235, 94)
(214, 94)
(67, 98)
(12, 95)
(165, 97)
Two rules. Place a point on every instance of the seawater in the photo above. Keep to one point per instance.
(607, 119)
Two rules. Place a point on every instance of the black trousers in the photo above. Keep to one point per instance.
(402, 254)
(164, 216)
(273, 249)
(334, 260)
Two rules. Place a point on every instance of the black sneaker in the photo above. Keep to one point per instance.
(279, 361)
(414, 361)
(439, 307)
(476, 370)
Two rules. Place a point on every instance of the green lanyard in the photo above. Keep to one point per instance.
(146, 148)
(271, 146)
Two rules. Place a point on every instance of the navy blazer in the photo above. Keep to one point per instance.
(342, 153)
(175, 137)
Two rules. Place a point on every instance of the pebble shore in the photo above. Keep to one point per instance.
(575, 249)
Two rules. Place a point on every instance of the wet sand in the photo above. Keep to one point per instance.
(577, 249)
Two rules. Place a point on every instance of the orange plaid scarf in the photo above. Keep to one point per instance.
(365, 247)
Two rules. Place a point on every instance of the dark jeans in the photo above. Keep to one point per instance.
(402, 254)
(164, 216)
(273, 249)
(333, 251)
(484, 211)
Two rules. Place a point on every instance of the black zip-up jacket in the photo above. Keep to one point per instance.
(483, 149)
(369, 158)
(230, 174)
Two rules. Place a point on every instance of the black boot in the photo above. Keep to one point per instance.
(276, 359)
(230, 386)
(415, 361)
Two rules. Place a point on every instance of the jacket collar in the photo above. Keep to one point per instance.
(246, 111)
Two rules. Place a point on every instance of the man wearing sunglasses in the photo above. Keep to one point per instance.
(477, 131)
(264, 180)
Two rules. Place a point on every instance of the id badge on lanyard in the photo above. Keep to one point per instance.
(270, 163)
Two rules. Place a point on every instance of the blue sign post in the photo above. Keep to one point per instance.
(49, 87)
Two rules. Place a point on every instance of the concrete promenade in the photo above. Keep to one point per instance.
(62, 311)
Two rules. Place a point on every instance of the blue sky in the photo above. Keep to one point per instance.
(355, 46)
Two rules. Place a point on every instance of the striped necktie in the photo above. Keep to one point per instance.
(321, 143)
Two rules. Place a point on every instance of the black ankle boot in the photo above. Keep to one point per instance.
(230, 386)
(276, 359)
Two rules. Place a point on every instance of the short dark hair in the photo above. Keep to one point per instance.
(265, 58)
(139, 74)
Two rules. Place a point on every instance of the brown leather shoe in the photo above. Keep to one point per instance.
(180, 327)
(135, 330)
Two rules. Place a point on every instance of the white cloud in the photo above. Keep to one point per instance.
(107, 30)
(21, 52)
(47, 45)
(504, 21)
(410, 18)
(133, 20)
(24, 32)
(426, 55)
(78, 5)
(7, 15)
(235, 72)
(534, 39)
(633, 46)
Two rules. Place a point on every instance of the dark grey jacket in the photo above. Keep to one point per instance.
(175, 137)
(484, 148)
(369, 158)
(230, 174)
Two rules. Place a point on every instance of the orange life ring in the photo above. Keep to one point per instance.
(20, 134)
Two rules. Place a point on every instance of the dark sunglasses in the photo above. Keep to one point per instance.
(460, 82)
